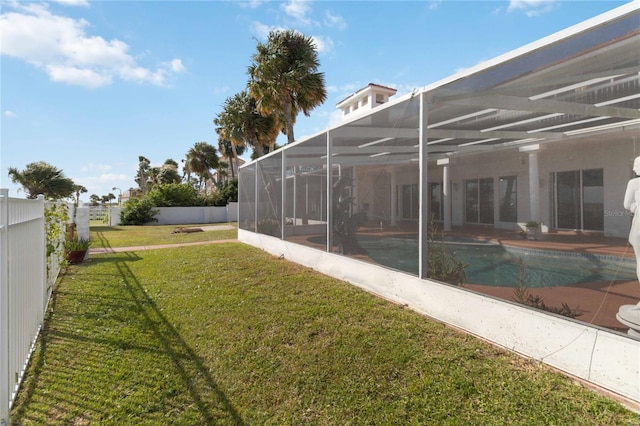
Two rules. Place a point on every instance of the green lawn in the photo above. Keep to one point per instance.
(227, 334)
(132, 236)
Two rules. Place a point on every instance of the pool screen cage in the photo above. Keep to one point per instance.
(544, 135)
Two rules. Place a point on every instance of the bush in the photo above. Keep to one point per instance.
(174, 195)
(230, 192)
(138, 212)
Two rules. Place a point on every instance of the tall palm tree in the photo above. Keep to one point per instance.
(242, 124)
(200, 159)
(284, 78)
(43, 178)
(79, 189)
(231, 151)
(144, 174)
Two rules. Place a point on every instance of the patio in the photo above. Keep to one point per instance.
(597, 301)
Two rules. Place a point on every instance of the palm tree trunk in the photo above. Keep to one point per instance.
(234, 158)
(286, 106)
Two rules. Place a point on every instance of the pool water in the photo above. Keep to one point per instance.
(493, 264)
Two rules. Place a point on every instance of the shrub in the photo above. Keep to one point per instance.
(174, 195)
(138, 212)
(442, 265)
(230, 192)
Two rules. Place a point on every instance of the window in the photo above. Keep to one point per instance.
(379, 98)
(409, 201)
(479, 200)
(579, 199)
(508, 199)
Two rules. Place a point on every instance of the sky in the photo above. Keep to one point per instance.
(88, 87)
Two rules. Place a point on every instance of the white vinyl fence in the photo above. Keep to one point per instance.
(24, 291)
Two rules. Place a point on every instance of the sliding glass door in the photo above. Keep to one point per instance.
(479, 201)
(579, 199)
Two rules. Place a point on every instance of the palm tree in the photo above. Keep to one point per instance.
(242, 124)
(143, 175)
(43, 178)
(79, 189)
(200, 159)
(222, 173)
(169, 172)
(284, 78)
(106, 199)
(231, 151)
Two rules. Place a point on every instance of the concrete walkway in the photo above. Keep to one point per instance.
(103, 250)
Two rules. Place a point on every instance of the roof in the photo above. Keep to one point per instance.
(581, 82)
(389, 90)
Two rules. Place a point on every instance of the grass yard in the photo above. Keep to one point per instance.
(132, 236)
(227, 334)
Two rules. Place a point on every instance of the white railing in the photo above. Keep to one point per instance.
(99, 213)
(24, 292)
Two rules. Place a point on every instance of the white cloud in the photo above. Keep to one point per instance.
(177, 66)
(531, 8)
(83, 3)
(323, 44)
(252, 4)
(60, 46)
(434, 4)
(10, 114)
(261, 30)
(336, 21)
(297, 9)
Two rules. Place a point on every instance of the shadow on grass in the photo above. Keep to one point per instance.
(183, 357)
(103, 241)
(96, 351)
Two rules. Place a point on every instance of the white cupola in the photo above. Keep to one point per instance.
(364, 100)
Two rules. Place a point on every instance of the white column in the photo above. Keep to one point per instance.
(423, 223)
(394, 197)
(446, 192)
(283, 192)
(534, 179)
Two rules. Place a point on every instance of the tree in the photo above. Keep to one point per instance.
(79, 189)
(200, 159)
(174, 195)
(167, 173)
(43, 178)
(284, 78)
(222, 173)
(143, 175)
(106, 199)
(242, 124)
(231, 151)
(94, 199)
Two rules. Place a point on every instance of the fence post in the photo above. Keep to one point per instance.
(5, 383)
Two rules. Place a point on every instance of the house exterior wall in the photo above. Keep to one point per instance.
(615, 157)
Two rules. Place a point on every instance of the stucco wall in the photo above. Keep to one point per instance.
(615, 157)
(188, 215)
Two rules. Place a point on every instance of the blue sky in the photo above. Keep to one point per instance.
(90, 86)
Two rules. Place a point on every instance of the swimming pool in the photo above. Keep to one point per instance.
(496, 265)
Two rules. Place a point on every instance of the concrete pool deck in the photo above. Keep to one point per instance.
(598, 301)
